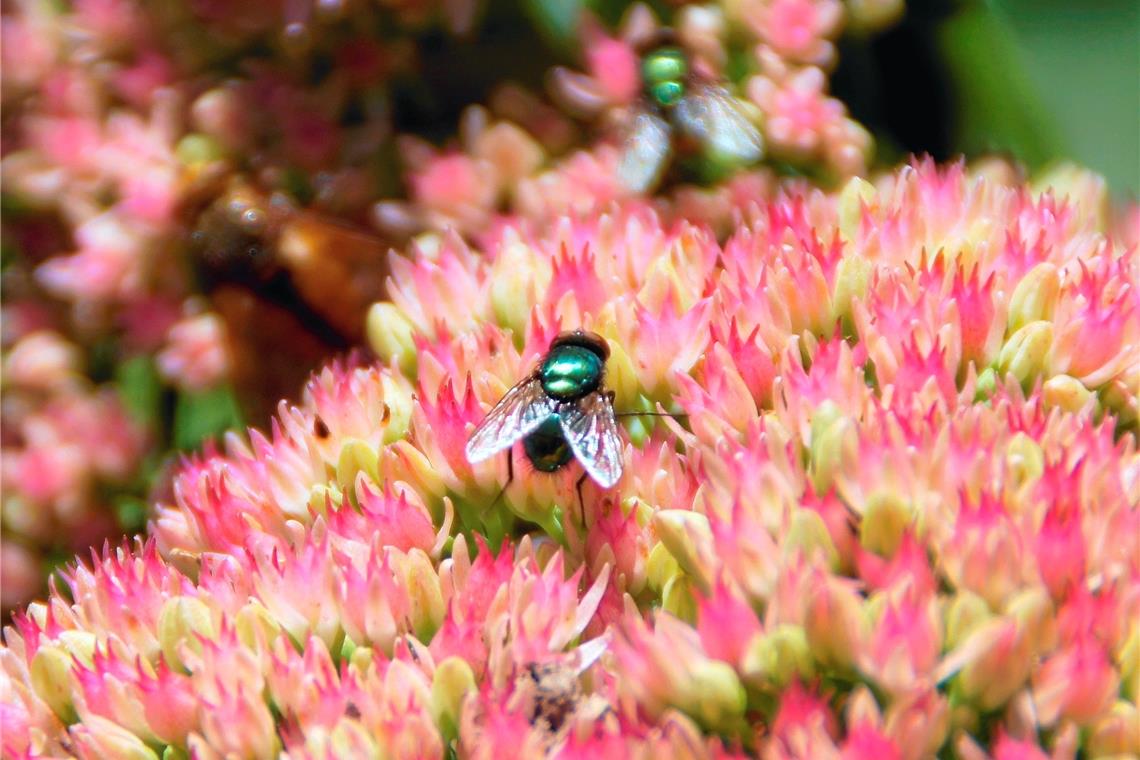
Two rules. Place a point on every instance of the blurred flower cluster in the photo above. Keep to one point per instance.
(198, 196)
(899, 518)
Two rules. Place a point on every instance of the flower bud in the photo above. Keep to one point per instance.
(966, 612)
(400, 401)
(452, 681)
(852, 275)
(356, 456)
(779, 657)
(422, 586)
(833, 623)
(1024, 459)
(856, 194)
(97, 736)
(1026, 354)
(392, 336)
(807, 535)
(180, 619)
(196, 149)
(1033, 610)
(1066, 392)
(689, 539)
(1118, 733)
(886, 518)
(834, 442)
(51, 679)
(715, 696)
(349, 738)
(1035, 296)
(660, 567)
(986, 385)
(256, 628)
(677, 598)
(513, 286)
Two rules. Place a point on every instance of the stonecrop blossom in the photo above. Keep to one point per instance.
(899, 517)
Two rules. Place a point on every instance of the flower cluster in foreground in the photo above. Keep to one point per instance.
(900, 517)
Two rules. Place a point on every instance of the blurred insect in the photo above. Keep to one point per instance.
(550, 694)
(292, 285)
(560, 412)
(684, 111)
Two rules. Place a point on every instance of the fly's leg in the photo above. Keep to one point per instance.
(510, 475)
(581, 502)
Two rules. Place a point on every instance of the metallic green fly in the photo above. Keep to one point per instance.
(680, 107)
(561, 411)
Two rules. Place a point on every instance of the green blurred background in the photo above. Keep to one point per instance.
(1081, 59)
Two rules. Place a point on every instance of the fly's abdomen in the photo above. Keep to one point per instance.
(546, 447)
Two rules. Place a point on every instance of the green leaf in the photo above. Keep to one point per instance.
(557, 20)
(1000, 109)
(140, 389)
(131, 513)
(205, 415)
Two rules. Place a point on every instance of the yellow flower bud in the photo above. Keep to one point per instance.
(834, 623)
(966, 612)
(1026, 354)
(391, 336)
(513, 286)
(1033, 610)
(100, 737)
(349, 738)
(852, 275)
(51, 680)
(986, 384)
(422, 585)
(399, 398)
(1035, 296)
(1067, 392)
(807, 534)
(660, 567)
(452, 681)
(886, 518)
(256, 628)
(834, 442)
(1118, 733)
(1024, 459)
(715, 695)
(356, 456)
(181, 621)
(856, 194)
(677, 598)
(403, 461)
(779, 657)
(689, 539)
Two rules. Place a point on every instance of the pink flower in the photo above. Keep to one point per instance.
(196, 355)
(799, 29)
(1076, 683)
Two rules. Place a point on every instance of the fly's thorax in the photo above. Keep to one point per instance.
(546, 446)
(664, 71)
(570, 372)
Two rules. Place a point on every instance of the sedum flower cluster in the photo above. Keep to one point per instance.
(189, 180)
(894, 512)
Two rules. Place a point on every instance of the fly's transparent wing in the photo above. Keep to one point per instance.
(592, 431)
(519, 412)
(713, 116)
(645, 152)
